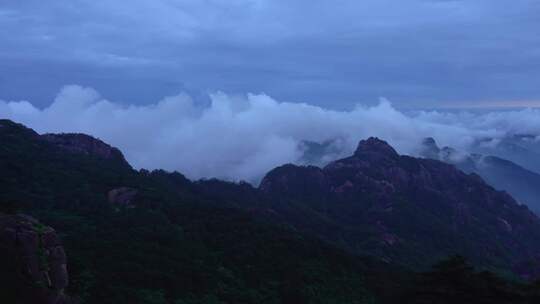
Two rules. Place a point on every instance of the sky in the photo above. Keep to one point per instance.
(332, 54)
(234, 88)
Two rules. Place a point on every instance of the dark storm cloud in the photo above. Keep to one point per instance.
(329, 53)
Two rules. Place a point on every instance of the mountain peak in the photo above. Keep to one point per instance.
(430, 149)
(13, 129)
(430, 142)
(85, 144)
(374, 145)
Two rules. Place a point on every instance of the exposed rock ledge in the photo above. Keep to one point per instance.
(33, 261)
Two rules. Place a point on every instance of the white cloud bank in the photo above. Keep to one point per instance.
(241, 138)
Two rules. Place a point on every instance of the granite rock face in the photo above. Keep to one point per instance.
(36, 256)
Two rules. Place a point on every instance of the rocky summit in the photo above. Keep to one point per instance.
(85, 144)
(397, 206)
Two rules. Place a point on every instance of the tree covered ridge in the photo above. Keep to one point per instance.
(172, 245)
(179, 241)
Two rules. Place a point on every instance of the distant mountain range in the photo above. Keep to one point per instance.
(353, 231)
(522, 184)
(522, 149)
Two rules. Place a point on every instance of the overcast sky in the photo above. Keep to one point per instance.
(334, 54)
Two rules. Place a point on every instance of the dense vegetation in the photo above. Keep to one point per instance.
(183, 242)
(455, 281)
(171, 245)
(405, 210)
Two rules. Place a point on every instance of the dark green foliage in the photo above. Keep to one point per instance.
(181, 242)
(454, 281)
(13, 283)
(223, 255)
(405, 210)
(174, 244)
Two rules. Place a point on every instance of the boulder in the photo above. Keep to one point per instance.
(34, 260)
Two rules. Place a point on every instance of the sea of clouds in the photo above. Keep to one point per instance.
(242, 137)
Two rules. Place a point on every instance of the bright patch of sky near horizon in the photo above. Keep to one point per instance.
(333, 54)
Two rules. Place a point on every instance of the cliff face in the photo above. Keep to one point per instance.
(34, 262)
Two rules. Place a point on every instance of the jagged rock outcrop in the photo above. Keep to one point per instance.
(76, 143)
(34, 261)
(398, 206)
(375, 149)
(430, 149)
(85, 144)
(464, 161)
